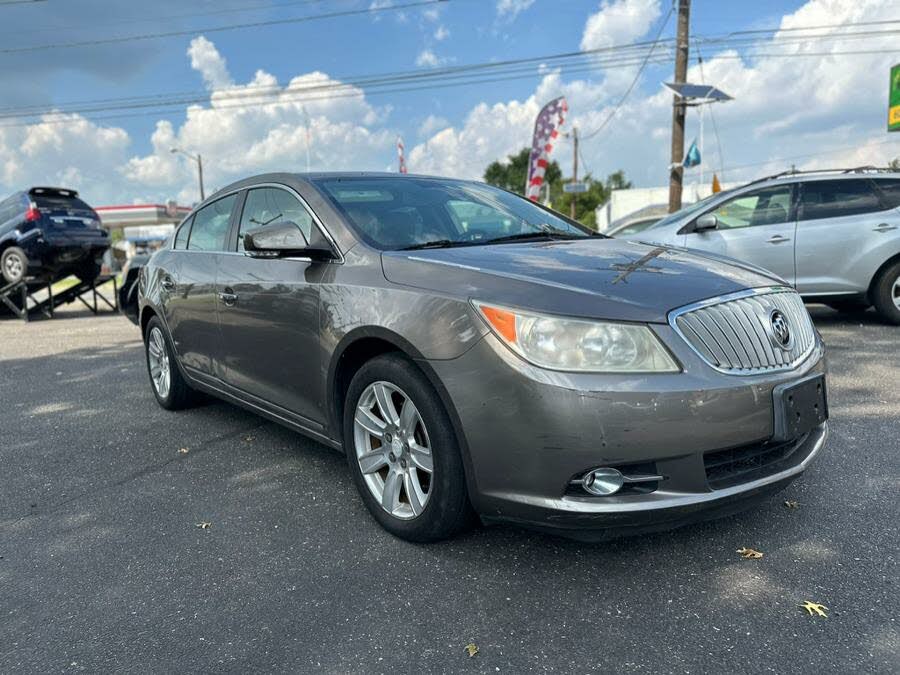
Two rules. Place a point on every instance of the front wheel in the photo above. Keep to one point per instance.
(403, 453)
(886, 294)
(13, 264)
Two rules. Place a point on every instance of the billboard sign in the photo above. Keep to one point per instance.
(894, 100)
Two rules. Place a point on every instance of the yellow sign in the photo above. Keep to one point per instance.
(894, 115)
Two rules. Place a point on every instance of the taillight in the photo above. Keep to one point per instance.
(32, 214)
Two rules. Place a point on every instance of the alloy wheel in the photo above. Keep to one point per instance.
(393, 450)
(895, 293)
(13, 266)
(160, 371)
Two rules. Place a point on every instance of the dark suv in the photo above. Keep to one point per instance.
(49, 233)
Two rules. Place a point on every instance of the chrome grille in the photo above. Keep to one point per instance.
(734, 333)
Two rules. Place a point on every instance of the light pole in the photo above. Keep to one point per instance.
(197, 158)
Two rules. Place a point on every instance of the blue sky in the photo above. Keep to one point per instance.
(127, 163)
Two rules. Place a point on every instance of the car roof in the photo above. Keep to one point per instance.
(826, 174)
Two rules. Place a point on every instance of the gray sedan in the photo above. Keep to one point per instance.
(476, 354)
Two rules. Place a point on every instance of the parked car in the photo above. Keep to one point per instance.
(834, 236)
(50, 233)
(632, 226)
(526, 369)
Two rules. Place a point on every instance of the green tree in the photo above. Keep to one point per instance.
(511, 174)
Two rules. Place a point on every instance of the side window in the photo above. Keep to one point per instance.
(265, 206)
(890, 192)
(768, 206)
(836, 198)
(181, 236)
(210, 226)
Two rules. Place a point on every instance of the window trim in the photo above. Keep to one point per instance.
(872, 188)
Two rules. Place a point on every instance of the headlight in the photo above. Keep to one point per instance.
(577, 345)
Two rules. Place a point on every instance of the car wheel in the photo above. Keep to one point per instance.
(88, 272)
(403, 453)
(13, 264)
(886, 294)
(169, 387)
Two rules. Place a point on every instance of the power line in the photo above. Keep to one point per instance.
(372, 9)
(635, 80)
(168, 17)
(777, 160)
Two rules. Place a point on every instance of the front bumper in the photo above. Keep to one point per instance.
(528, 432)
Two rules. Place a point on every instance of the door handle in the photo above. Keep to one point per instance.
(168, 284)
(777, 239)
(884, 227)
(228, 297)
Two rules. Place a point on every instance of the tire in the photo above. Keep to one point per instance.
(13, 264)
(88, 272)
(446, 510)
(177, 394)
(886, 294)
(849, 306)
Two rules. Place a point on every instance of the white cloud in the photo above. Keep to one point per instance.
(441, 33)
(207, 61)
(428, 59)
(431, 124)
(619, 22)
(512, 8)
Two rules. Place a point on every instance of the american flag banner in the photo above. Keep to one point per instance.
(546, 130)
(400, 156)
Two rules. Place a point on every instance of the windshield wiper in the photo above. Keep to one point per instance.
(532, 235)
(437, 243)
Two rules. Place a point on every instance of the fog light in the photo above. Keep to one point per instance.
(603, 482)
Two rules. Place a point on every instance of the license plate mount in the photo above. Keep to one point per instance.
(799, 407)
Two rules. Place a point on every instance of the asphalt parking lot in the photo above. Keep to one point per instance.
(103, 566)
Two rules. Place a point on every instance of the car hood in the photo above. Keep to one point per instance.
(592, 278)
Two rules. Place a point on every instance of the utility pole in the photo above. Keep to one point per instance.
(199, 160)
(574, 170)
(676, 171)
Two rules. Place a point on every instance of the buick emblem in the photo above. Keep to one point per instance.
(781, 332)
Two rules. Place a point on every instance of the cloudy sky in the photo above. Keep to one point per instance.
(809, 81)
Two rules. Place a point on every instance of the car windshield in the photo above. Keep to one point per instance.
(686, 211)
(407, 212)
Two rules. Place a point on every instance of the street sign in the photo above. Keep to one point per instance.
(894, 100)
(575, 188)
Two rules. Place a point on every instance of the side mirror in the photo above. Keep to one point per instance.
(705, 222)
(283, 239)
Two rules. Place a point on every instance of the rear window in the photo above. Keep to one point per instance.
(837, 198)
(889, 188)
(58, 201)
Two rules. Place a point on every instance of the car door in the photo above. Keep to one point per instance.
(838, 222)
(269, 312)
(188, 283)
(756, 227)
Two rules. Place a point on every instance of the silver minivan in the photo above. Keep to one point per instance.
(833, 235)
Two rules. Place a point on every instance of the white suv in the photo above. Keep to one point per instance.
(834, 235)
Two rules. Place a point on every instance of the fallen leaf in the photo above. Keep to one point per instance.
(750, 553)
(471, 649)
(792, 504)
(183, 451)
(813, 608)
(204, 526)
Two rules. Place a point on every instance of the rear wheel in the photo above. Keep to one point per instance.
(403, 453)
(886, 294)
(88, 272)
(13, 264)
(170, 388)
